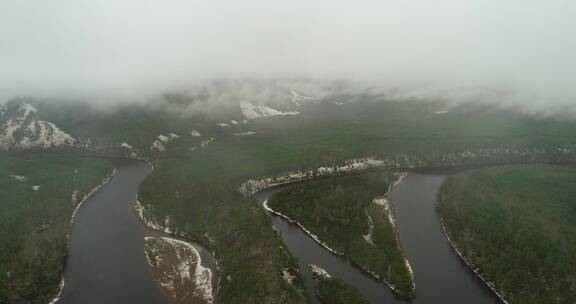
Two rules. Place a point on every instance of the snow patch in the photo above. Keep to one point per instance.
(157, 146)
(247, 133)
(126, 145)
(319, 272)
(195, 133)
(163, 138)
(251, 111)
(188, 268)
(22, 131)
(288, 277)
(19, 178)
(298, 98)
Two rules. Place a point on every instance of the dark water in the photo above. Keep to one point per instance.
(106, 262)
(441, 277)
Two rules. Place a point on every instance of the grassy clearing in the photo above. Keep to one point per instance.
(34, 223)
(517, 224)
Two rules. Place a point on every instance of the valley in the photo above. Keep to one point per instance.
(208, 164)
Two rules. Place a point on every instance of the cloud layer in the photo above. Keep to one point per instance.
(132, 47)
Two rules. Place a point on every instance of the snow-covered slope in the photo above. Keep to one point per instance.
(299, 98)
(20, 129)
(252, 111)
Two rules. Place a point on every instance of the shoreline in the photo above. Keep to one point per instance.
(472, 266)
(308, 232)
(392, 219)
(94, 190)
(150, 224)
(205, 288)
(389, 210)
(72, 220)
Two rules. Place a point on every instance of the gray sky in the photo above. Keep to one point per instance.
(125, 47)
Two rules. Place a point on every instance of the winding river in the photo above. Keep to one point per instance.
(106, 261)
(440, 275)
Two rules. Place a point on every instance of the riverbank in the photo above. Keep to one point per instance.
(388, 208)
(40, 194)
(177, 267)
(73, 217)
(512, 225)
(290, 220)
(179, 292)
(332, 290)
(382, 257)
(473, 267)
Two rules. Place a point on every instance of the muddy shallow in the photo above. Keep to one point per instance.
(440, 275)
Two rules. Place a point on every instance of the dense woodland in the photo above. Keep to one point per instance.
(34, 223)
(337, 209)
(518, 225)
(335, 291)
(198, 189)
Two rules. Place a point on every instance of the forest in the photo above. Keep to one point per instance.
(517, 225)
(39, 194)
(337, 209)
(332, 290)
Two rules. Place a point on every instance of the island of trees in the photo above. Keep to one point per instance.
(350, 215)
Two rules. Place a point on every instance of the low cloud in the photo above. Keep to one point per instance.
(112, 49)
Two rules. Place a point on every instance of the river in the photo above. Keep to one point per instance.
(440, 275)
(106, 261)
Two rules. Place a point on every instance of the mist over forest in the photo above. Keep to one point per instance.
(504, 52)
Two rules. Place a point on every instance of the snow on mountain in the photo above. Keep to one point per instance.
(126, 145)
(251, 111)
(298, 98)
(20, 129)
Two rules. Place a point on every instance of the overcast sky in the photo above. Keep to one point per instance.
(127, 46)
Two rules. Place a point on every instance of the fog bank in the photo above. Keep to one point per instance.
(114, 49)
